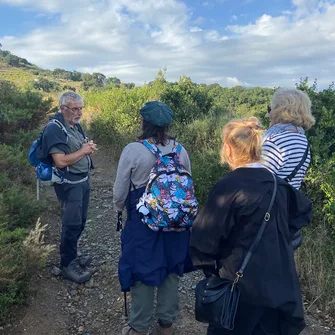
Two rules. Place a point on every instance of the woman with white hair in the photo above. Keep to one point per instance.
(285, 143)
(286, 150)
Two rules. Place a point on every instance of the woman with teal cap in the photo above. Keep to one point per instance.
(149, 258)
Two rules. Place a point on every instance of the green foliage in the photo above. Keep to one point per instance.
(113, 81)
(116, 110)
(19, 110)
(45, 85)
(95, 80)
(13, 60)
(21, 254)
(67, 75)
(20, 206)
(68, 88)
(76, 76)
(188, 100)
(20, 113)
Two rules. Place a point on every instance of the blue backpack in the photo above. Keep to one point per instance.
(168, 202)
(45, 172)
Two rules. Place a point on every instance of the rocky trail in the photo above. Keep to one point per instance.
(60, 307)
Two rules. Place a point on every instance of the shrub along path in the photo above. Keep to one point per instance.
(59, 307)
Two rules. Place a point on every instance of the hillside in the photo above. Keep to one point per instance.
(27, 75)
(24, 77)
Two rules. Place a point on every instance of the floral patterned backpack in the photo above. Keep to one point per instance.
(168, 202)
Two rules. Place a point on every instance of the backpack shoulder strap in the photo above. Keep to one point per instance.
(177, 148)
(152, 148)
(297, 168)
(61, 126)
(81, 130)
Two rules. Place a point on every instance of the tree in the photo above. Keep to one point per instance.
(94, 80)
(12, 60)
(100, 79)
(113, 81)
(61, 73)
(129, 85)
(45, 85)
(188, 100)
(76, 76)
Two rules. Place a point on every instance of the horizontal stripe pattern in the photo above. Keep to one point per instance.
(283, 152)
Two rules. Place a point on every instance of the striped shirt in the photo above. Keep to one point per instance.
(283, 152)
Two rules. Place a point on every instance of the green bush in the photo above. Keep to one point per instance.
(45, 85)
(20, 110)
(21, 255)
(20, 114)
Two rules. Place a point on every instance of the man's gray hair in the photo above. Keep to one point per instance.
(68, 96)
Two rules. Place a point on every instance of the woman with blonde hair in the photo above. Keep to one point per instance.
(286, 150)
(230, 222)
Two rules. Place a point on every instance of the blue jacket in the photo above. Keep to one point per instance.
(149, 256)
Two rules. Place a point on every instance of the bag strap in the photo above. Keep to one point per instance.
(177, 149)
(152, 148)
(297, 168)
(60, 125)
(258, 237)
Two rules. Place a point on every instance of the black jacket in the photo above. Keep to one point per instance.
(226, 226)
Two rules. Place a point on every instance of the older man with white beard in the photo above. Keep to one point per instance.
(66, 147)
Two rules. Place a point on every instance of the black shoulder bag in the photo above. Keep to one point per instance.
(297, 168)
(297, 237)
(216, 299)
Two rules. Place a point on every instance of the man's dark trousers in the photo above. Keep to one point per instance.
(74, 207)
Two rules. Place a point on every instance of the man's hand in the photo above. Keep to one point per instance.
(64, 160)
(93, 146)
(88, 148)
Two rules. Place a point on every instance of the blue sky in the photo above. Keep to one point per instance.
(232, 42)
(18, 21)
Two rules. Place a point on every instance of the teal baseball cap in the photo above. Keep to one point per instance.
(157, 113)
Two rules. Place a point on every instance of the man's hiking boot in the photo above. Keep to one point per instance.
(76, 273)
(130, 331)
(85, 260)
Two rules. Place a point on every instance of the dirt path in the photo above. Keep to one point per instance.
(60, 307)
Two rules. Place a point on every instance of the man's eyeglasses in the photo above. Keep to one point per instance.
(75, 109)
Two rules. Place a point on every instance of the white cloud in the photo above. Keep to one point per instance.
(133, 39)
(305, 6)
(214, 36)
(48, 5)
